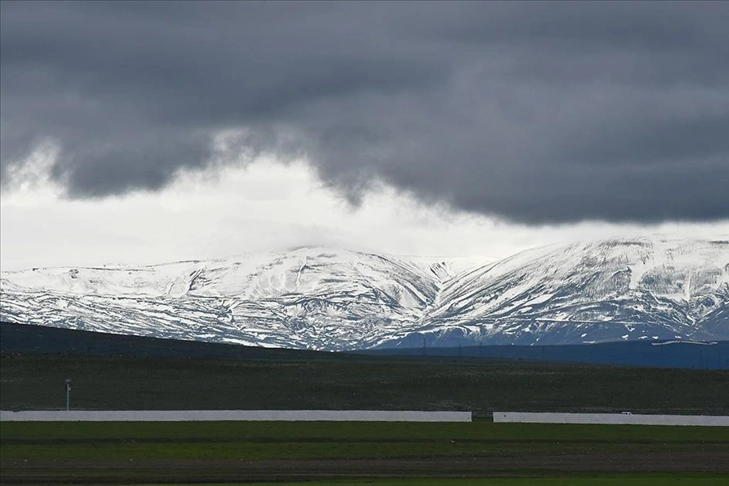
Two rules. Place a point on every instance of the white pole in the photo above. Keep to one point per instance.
(68, 394)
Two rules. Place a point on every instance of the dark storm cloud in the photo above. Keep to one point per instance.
(532, 112)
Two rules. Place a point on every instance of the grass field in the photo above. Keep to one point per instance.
(591, 480)
(617, 480)
(357, 453)
(229, 452)
(601, 480)
(37, 382)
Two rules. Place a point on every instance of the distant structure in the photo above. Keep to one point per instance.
(68, 394)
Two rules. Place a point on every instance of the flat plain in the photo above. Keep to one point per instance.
(316, 453)
(230, 452)
(328, 382)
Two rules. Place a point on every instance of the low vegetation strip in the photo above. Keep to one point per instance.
(583, 480)
(233, 415)
(612, 418)
(36, 382)
(233, 452)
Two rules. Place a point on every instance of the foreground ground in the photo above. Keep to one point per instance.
(460, 454)
(220, 452)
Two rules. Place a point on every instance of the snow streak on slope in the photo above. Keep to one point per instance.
(332, 299)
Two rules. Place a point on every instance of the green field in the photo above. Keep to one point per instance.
(307, 440)
(30, 382)
(602, 480)
(225, 452)
(358, 453)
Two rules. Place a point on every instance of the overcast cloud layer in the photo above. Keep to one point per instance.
(534, 112)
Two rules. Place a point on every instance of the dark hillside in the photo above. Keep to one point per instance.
(713, 355)
(123, 372)
(20, 338)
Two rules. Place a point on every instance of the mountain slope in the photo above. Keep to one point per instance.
(319, 298)
(307, 298)
(608, 290)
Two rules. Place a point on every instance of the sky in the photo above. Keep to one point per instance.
(144, 132)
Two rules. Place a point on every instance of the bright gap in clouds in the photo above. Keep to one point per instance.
(265, 205)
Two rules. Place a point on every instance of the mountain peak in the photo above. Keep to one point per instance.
(648, 287)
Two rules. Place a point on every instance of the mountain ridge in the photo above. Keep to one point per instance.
(333, 299)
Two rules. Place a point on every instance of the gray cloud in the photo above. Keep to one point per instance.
(531, 112)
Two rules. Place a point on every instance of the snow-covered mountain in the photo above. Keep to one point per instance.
(320, 298)
(588, 292)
